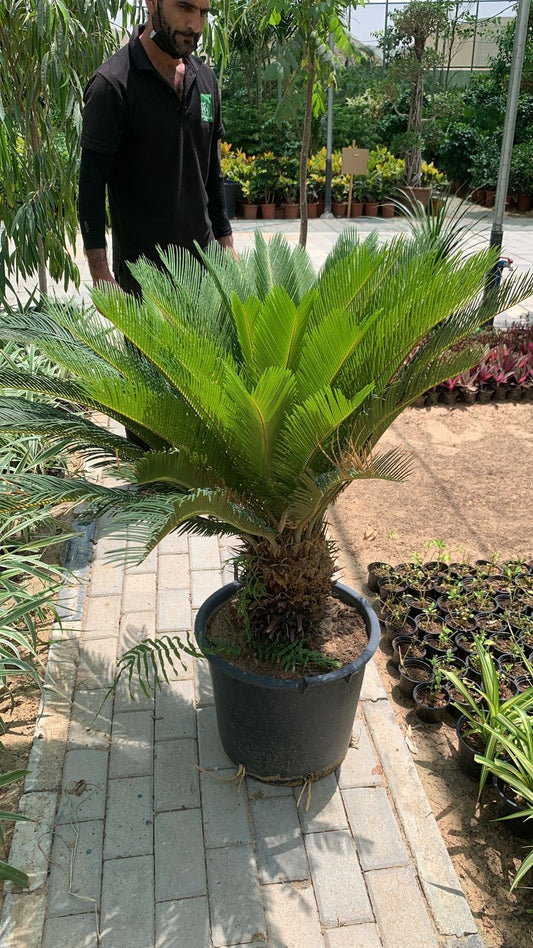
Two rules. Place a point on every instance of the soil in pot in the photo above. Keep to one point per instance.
(431, 704)
(377, 571)
(412, 671)
(406, 646)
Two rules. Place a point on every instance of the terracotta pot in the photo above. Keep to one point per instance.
(312, 209)
(410, 196)
(249, 212)
(338, 208)
(387, 210)
(478, 195)
(370, 208)
(523, 203)
(268, 211)
(291, 211)
(356, 209)
(490, 197)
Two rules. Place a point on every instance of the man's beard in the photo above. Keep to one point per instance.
(172, 43)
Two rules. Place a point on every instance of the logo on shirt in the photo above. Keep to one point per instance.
(206, 107)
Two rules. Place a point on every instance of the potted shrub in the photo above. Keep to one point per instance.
(231, 164)
(265, 183)
(289, 187)
(340, 186)
(432, 698)
(261, 390)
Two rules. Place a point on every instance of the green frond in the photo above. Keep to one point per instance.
(310, 427)
(20, 416)
(147, 663)
(255, 421)
(183, 469)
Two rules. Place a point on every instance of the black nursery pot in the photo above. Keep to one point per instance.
(286, 732)
(429, 713)
(519, 826)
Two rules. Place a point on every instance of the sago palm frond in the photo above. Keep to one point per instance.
(261, 389)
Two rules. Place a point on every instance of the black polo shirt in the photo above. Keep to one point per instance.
(165, 184)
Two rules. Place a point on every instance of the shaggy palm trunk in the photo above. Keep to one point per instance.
(285, 588)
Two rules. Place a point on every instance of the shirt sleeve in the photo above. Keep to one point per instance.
(94, 172)
(103, 116)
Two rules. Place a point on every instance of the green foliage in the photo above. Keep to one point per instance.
(521, 174)
(148, 662)
(48, 49)
(261, 389)
(16, 876)
(513, 735)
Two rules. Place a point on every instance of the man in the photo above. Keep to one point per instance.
(151, 130)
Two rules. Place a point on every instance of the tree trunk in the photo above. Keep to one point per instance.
(413, 155)
(304, 152)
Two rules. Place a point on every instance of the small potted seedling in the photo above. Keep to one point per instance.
(432, 698)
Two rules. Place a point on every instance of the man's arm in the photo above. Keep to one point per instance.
(94, 172)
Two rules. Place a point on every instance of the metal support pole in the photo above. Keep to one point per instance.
(385, 29)
(519, 45)
(329, 143)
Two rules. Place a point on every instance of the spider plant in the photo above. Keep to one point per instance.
(17, 876)
(513, 733)
(261, 389)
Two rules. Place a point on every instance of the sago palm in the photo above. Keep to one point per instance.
(261, 390)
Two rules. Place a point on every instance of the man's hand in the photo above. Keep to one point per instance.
(99, 267)
(227, 242)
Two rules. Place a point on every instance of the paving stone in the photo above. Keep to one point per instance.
(106, 579)
(148, 565)
(211, 752)
(203, 683)
(204, 552)
(257, 790)
(203, 583)
(78, 930)
(84, 786)
(175, 715)
(179, 855)
(22, 920)
(339, 884)
(139, 593)
(353, 936)
(326, 810)
(71, 600)
(224, 810)
(234, 897)
(438, 878)
(280, 849)
(132, 744)
(91, 720)
(182, 924)
(405, 928)
(173, 610)
(97, 664)
(76, 869)
(31, 842)
(360, 767)
(130, 696)
(292, 916)
(102, 617)
(127, 915)
(135, 627)
(173, 572)
(174, 543)
(176, 783)
(129, 818)
(375, 831)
